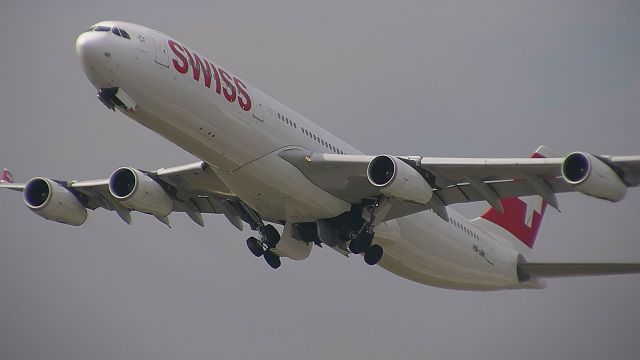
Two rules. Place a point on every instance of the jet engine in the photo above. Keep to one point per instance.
(592, 176)
(139, 192)
(54, 202)
(289, 245)
(397, 179)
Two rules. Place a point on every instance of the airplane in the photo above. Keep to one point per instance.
(261, 164)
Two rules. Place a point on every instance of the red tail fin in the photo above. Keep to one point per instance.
(6, 177)
(522, 216)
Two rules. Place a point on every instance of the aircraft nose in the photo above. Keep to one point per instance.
(92, 49)
(88, 48)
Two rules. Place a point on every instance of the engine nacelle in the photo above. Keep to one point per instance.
(289, 246)
(592, 176)
(397, 179)
(139, 192)
(54, 202)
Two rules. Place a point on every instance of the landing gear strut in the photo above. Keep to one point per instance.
(360, 240)
(269, 238)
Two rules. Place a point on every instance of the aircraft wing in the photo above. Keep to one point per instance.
(194, 188)
(463, 180)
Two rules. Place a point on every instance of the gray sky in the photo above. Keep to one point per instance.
(436, 78)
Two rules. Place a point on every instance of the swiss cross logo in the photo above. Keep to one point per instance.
(522, 217)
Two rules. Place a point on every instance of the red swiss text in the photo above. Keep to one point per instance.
(225, 84)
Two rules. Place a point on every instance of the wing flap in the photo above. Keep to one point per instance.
(451, 171)
(465, 192)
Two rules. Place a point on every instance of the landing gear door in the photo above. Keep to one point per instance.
(162, 53)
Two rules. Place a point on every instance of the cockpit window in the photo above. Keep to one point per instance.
(116, 31)
(124, 34)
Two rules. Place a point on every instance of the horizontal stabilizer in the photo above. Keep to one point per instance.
(557, 270)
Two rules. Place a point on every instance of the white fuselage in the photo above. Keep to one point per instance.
(239, 130)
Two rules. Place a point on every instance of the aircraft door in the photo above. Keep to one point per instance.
(162, 53)
(259, 109)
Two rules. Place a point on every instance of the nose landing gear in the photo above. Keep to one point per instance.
(269, 238)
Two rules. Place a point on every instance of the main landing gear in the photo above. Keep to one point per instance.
(360, 239)
(361, 243)
(269, 238)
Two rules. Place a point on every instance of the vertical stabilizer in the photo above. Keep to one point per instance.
(521, 218)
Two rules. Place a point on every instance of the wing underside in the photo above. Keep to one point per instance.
(454, 180)
(194, 189)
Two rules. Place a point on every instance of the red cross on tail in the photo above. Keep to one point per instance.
(522, 216)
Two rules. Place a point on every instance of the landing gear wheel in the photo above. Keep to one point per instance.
(373, 254)
(272, 259)
(255, 247)
(271, 235)
(361, 243)
(356, 246)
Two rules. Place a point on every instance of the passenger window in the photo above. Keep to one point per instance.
(124, 34)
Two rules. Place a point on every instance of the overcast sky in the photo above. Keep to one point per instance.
(433, 78)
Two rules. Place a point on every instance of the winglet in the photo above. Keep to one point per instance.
(6, 177)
